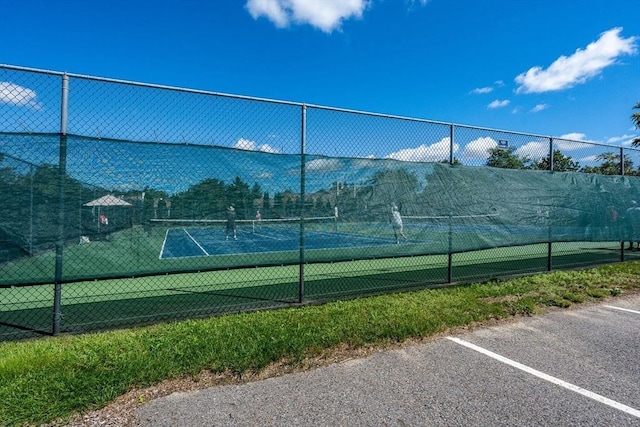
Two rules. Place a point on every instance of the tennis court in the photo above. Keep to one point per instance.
(208, 238)
(369, 239)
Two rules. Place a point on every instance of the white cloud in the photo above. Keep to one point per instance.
(271, 9)
(481, 90)
(266, 148)
(324, 165)
(246, 144)
(499, 104)
(487, 89)
(539, 107)
(568, 71)
(326, 15)
(616, 139)
(479, 148)
(574, 136)
(263, 175)
(14, 94)
(625, 140)
(425, 153)
(567, 142)
(534, 150)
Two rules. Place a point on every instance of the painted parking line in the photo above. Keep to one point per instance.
(617, 405)
(622, 309)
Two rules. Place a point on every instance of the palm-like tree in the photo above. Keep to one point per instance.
(635, 118)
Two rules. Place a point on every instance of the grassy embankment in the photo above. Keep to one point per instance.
(51, 378)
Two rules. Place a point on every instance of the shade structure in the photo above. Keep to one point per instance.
(108, 200)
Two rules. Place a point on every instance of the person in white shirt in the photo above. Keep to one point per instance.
(396, 221)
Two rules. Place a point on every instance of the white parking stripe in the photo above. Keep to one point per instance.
(569, 386)
(622, 309)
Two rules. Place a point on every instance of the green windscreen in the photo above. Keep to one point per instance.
(121, 208)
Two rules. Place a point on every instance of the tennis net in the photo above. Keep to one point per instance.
(252, 226)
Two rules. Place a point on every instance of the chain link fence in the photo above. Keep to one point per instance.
(128, 203)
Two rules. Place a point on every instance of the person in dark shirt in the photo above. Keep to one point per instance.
(231, 223)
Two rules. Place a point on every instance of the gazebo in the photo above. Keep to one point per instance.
(108, 200)
(110, 206)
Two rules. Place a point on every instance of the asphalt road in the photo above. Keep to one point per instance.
(567, 368)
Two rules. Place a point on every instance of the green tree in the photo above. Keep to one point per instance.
(392, 186)
(507, 159)
(610, 165)
(561, 163)
(256, 192)
(206, 199)
(455, 161)
(239, 195)
(278, 205)
(7, 174)
(266, 206)
(153, 206)
(635, 118)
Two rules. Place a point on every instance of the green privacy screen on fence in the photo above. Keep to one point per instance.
(110, 187)
(136, 208)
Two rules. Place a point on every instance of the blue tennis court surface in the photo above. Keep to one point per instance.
(425, 236)
(196, 242)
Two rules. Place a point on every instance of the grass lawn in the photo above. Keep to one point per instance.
(55, 377)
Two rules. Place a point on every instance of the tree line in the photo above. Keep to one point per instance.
(609, 162)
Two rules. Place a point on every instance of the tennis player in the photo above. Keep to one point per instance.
(396, 222)
(231, 223)
(633, 223)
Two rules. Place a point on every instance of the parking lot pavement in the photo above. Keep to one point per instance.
(572, 367)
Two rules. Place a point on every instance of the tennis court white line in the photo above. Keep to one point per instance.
(196, 242)
(164, 242)
(622, 309)
(591, 395)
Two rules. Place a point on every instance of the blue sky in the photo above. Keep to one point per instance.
(561, 68)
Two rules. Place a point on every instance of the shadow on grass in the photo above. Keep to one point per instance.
(206, 300)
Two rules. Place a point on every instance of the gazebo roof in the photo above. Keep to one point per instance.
(108, 200)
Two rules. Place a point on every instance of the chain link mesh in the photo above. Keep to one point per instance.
(128, 204)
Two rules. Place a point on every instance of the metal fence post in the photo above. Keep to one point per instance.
(622, 174)
(451, 136)
(549, 244)
(31, 173)
(303, 143)
(62, 170)
(449, 254)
